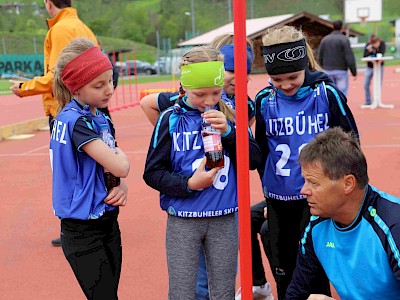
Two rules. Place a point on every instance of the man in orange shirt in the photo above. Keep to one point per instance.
(64, 26)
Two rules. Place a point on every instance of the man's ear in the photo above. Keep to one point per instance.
(350, 182)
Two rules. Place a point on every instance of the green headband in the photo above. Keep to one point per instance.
(204, 74)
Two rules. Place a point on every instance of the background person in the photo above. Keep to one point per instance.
(374, 46)
(299, 103)
(336, 57)
(354, 234)
(86, 203)
(64, 25)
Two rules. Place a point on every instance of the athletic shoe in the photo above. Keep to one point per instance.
(262, 292)
(56, 242)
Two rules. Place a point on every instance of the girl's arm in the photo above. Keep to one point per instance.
(117, 163)
(157, 172)
(153, 104)
(260, 135)
(86, 139)
(340, 113)
(150, 107)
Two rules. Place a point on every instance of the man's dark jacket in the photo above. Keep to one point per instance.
(335, 53)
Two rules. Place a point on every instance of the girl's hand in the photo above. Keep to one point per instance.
(118, 196)
(319, 297)
(265, 212)
(201, 178)
(217, 120)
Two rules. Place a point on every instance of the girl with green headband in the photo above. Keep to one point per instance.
(201, 204)
(153, 104)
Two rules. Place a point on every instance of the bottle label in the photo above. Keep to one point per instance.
(212, 142)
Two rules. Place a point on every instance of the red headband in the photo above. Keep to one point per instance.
(84, 68)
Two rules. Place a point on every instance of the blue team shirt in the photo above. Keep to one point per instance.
(362, 261)
(78, 180)
(187, 151)
(291, 122)
(175, 152)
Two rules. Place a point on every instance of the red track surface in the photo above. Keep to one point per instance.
(30, 268)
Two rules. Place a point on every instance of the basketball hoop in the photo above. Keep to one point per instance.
(363, 20)
(363, 14)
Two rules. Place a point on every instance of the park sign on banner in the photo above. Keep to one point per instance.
(21, 64)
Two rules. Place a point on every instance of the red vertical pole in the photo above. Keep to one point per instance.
(242, 144)
(111, 104)
(130, 85)
(136, 81)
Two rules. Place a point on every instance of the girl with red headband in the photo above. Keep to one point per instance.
(87, 201)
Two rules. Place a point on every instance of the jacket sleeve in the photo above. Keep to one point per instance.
(349, 56)
(157, 172)
(229, 144)
(366, 52)
(166, 99)
(340, 113)
(321, 53)
(309, 276)
(260, 136)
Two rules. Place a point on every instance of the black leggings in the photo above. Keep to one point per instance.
(94, 251)
(259, 226)
(286, 222)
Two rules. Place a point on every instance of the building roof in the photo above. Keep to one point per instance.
(256, 27)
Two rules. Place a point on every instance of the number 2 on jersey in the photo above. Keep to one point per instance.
(285, 149)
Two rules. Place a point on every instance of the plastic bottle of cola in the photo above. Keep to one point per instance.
(212, 144)
(109, 179)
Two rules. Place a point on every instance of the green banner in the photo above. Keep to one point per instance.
(22, 64)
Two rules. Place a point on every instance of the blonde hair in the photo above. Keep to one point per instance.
(72, 50)
(206, 54)
(286, 34)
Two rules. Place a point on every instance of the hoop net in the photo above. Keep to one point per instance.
(363, 20)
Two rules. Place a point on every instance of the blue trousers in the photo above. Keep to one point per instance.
(369, 72)
(202, 279)
(340, 78)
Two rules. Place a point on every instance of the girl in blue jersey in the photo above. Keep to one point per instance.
(299, 103)
(153, 104)
(200, 203)
(86, 203)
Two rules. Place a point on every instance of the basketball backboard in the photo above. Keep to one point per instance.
(356, 11)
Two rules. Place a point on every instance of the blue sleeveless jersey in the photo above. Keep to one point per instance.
(186, 154)
(290, 124)
(78, 180)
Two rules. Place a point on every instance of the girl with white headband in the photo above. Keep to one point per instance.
(299, 103)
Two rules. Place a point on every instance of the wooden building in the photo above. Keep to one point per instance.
(312, 25)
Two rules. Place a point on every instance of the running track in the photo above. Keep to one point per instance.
(30, 268)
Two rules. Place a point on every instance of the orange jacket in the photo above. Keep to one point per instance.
(63, 27)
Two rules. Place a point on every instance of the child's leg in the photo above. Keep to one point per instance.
(257, 221)
(221, 250)
(202, 279)
(183, 242)
(84, 247)
(113, 246)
